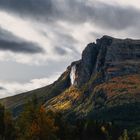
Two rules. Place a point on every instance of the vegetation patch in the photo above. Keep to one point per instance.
(121, 85)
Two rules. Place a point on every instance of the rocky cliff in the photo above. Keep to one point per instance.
(108, 56)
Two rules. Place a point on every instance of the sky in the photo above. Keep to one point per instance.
(40, 38)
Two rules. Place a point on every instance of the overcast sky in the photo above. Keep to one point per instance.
(40, 38)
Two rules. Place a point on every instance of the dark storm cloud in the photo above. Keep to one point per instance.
(2, 88)
(27, 7)
(19, 47)
(9, 42)
(104, 15)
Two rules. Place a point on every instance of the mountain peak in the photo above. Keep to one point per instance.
(106, 53)
(106, 40)
(107, 37)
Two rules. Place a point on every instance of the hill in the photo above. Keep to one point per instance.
(103, 85)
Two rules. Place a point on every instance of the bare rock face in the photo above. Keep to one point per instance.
(85, 66)
(108, 56)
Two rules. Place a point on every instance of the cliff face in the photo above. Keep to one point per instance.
(104, 84)
(110, 57)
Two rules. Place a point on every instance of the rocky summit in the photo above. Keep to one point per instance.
(108, 57)
(104, 85)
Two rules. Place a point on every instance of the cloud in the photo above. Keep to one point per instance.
(103, 15)
(27, 6)
(19, 47)
(134, 3)
(10, 42)
(48, 36)
(2, 88)
(60, 51)
(75, 11)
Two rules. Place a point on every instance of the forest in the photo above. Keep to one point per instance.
(35, 123)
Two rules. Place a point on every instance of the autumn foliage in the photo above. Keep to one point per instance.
(129, 84)
(35, 123)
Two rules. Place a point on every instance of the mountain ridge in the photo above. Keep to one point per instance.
(104, 84)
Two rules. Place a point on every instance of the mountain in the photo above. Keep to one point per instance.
(103, 85)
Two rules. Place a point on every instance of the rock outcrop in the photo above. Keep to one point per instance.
(108, 56)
